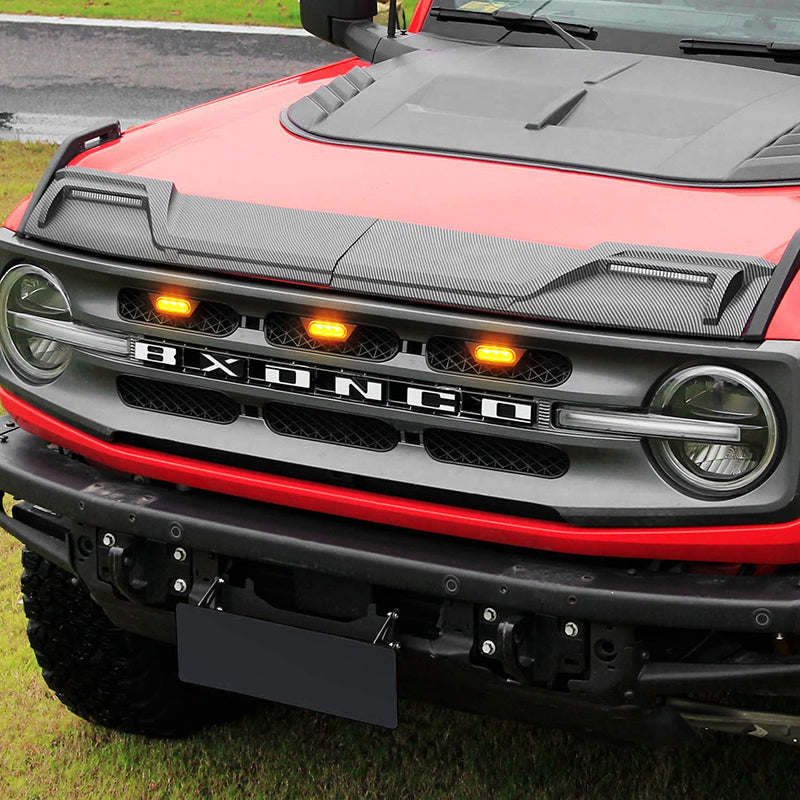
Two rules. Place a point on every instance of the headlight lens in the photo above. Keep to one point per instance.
(28, 292)
(722, 395)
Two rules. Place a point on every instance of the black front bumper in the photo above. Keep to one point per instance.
(610, 681)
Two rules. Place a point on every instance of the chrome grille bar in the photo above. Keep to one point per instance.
(654, 426)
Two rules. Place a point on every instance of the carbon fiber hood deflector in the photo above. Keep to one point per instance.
(611, 285)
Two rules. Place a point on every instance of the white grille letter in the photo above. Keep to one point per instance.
(156, 354)
(431, 399)
(369, 390)
(505, 409)
(288, 376)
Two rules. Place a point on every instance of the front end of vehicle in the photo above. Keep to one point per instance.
(531, 464)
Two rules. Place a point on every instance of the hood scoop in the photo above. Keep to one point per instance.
(645, 117)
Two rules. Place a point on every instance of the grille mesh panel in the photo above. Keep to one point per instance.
(215, 319)
(489, 452)
(367, 342)
(541, 367)
(331, 427)
(184, 401)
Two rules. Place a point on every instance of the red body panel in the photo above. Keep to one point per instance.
(15, 217)
(785, 322)
(419, 15)
(765, 544)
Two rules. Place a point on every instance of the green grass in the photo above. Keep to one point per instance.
(20, 167)
(278, 752)
(283, 13)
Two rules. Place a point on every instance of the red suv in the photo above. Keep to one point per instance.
(467, 368)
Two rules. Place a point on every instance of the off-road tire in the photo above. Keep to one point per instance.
(99, 671)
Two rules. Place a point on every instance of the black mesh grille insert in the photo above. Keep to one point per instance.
(215, 319)
(327, 426)
(181, 400)
(541, 367)
(489, 452)
(373, 344)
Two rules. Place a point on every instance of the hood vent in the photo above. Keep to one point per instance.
(786, 145)
(780, 157)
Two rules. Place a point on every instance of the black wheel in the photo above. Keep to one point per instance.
(100, 672)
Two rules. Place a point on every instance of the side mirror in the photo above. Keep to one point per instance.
(329, 19)
(348, 24)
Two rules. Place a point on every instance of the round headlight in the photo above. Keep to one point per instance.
(28, 293)
(717, 394)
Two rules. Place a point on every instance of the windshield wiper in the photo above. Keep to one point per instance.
(780, 51)
(531, 19)
(567, 31)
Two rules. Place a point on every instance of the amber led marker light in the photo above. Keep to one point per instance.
(495, 355)
(174, 306)
(327, 330)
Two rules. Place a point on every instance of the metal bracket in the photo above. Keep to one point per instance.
(209, 599)
(387, 634)
(761, 724)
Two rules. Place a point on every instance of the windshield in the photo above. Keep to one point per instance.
(756, 20)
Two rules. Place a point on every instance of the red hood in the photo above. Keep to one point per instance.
(237, 149)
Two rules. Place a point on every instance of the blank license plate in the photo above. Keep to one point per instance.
(301, 668)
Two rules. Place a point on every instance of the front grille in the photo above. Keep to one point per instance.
(215, 319)
(541, 367)
(489, 452)
(366, 341)
(331, 427)
(183, 401)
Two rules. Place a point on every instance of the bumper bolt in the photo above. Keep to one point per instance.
(452, 585)
(571, 629)
(762, 617)
(180, 586)
(109, 540)
(179, 554)
(488, 648)
(489, 614)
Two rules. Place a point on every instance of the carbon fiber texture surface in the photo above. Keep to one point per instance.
(620, 286)
(148, 220)
(666, 291)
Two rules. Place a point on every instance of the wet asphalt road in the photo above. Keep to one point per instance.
(57, 79)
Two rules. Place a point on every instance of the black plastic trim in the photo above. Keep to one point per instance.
(54, 550)
(670, 678)
(581, 588)
(782, 277)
